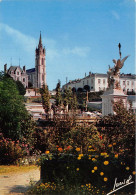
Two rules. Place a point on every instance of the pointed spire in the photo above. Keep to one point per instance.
(40, 40)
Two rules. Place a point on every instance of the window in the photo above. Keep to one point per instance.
(127, 82)
(87, 82)
(132, 83)
(43, 77)
(23, 79)
(99, 81)
(92, 81)
(123, 82)
(17, 73)
(103, 81)
(83, 83)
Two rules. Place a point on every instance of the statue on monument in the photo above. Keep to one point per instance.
(114, 73)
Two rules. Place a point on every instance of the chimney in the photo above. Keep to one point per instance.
(5, 68)
(24, 68)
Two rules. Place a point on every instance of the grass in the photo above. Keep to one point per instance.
(4, 169)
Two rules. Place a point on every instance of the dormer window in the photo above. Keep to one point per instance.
(17, 73)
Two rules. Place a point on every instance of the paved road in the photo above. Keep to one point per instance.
(18, 183)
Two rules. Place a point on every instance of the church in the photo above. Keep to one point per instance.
(35, 77)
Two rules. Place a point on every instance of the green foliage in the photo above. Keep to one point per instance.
(69, 98)
(15, 122)
(83, 137)
(58, 95)
(9, 151)
(45, 98)
(120, 129)
(74, 173)
(20, 88)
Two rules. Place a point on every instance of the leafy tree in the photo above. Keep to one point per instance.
(21, 88)
(15, 122)
(45, 98)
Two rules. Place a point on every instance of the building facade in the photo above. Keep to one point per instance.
(96, 82)
(17, 73)
(34, 77)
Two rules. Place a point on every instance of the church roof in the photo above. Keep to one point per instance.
(30, 70)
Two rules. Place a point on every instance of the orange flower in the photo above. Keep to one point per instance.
(133, 172)
(101, 173)
(105, 179)
(116, 155)
(127, 168)
(60, 149)
(109, 145)
(47, 152)
(77, 149)
(106, 162)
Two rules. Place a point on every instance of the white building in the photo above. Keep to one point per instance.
(96, 82)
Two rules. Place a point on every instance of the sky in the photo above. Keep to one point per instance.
(80, 36)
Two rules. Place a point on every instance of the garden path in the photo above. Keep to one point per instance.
(18, 183)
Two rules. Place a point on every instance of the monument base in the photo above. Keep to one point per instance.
(110, 96)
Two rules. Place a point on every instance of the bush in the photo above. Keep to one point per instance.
(10, 151)
(75, 172)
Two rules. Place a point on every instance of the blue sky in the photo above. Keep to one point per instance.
(80, 36)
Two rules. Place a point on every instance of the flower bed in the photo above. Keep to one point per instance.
(80, 173)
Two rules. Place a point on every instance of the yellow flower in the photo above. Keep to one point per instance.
(106, 162)
(89, 157)
(116, 155)
(90, 146)
(109, 145)
(102, 154)
(81, 155)
(96, 156)
(106, 156)
(92, 171)
(79, 158)
(101, 173)
(105, 179)
(95, 168)
(133, 172)
(77, 169)
(127, 168)
(93, 159)
(47, 152)
(77, 149)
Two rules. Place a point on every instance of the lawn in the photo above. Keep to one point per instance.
(15, 169)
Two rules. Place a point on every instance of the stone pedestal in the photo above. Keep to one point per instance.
(110, 96)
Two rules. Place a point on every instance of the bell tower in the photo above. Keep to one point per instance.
(40, 65)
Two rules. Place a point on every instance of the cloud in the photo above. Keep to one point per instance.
(27, 42)
(78, 51)
(115, 14)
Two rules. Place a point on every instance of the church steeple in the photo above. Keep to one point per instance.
(40, 65)
(40, 40)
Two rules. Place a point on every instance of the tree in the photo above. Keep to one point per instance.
(119, 129)
(15, 122)
(58, 94)
(45, 99)
(20, 88)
